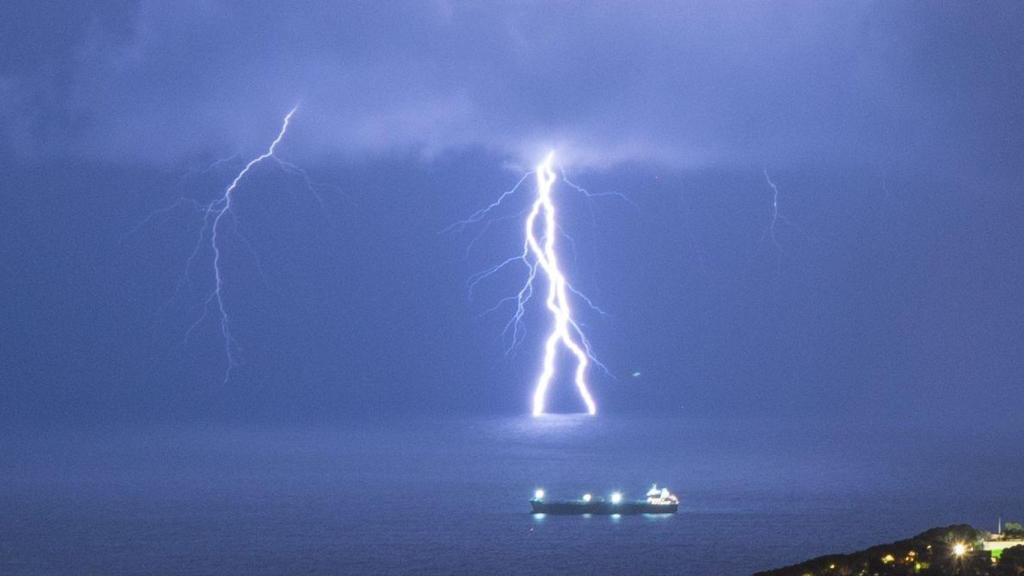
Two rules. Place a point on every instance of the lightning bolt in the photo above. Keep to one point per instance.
(774, 212)
(564, 330)
(215, 216)
(775, 216)
(540, 256)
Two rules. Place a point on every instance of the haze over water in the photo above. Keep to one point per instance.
(428, 497)
(806, 233)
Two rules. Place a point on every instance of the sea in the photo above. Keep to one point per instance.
(450, 496)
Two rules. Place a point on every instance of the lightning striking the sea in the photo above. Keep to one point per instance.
(564, 329)
(540, 256)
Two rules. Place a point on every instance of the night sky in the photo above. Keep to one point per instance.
(893, 130)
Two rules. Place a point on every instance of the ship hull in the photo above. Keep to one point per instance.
(577, 508)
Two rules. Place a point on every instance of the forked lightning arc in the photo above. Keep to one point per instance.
(215, 214)
(564, 329)
(540, 254)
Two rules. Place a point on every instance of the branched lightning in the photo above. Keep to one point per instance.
(540, 256)
(216, 215)
(773, 222)
(775, 217)
(219, 209)
(564, 329)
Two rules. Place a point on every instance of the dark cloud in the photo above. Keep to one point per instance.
(680, 83)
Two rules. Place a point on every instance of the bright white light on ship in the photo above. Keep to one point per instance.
(616, 497)
(586, 497)
(538, 495)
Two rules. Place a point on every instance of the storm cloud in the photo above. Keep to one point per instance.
(683, 84)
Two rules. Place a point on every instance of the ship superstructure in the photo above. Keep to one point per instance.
(657, 501)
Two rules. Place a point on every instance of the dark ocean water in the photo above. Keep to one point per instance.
(424, 497)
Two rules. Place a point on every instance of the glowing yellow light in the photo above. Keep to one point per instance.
(959, 549)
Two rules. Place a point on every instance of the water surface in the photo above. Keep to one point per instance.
(432, 497)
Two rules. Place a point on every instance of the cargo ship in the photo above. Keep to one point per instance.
(658, 501)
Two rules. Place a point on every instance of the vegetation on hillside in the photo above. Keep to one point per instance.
(948, 551)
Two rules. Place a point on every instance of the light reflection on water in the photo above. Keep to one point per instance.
(546, 427)
(439, 497)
